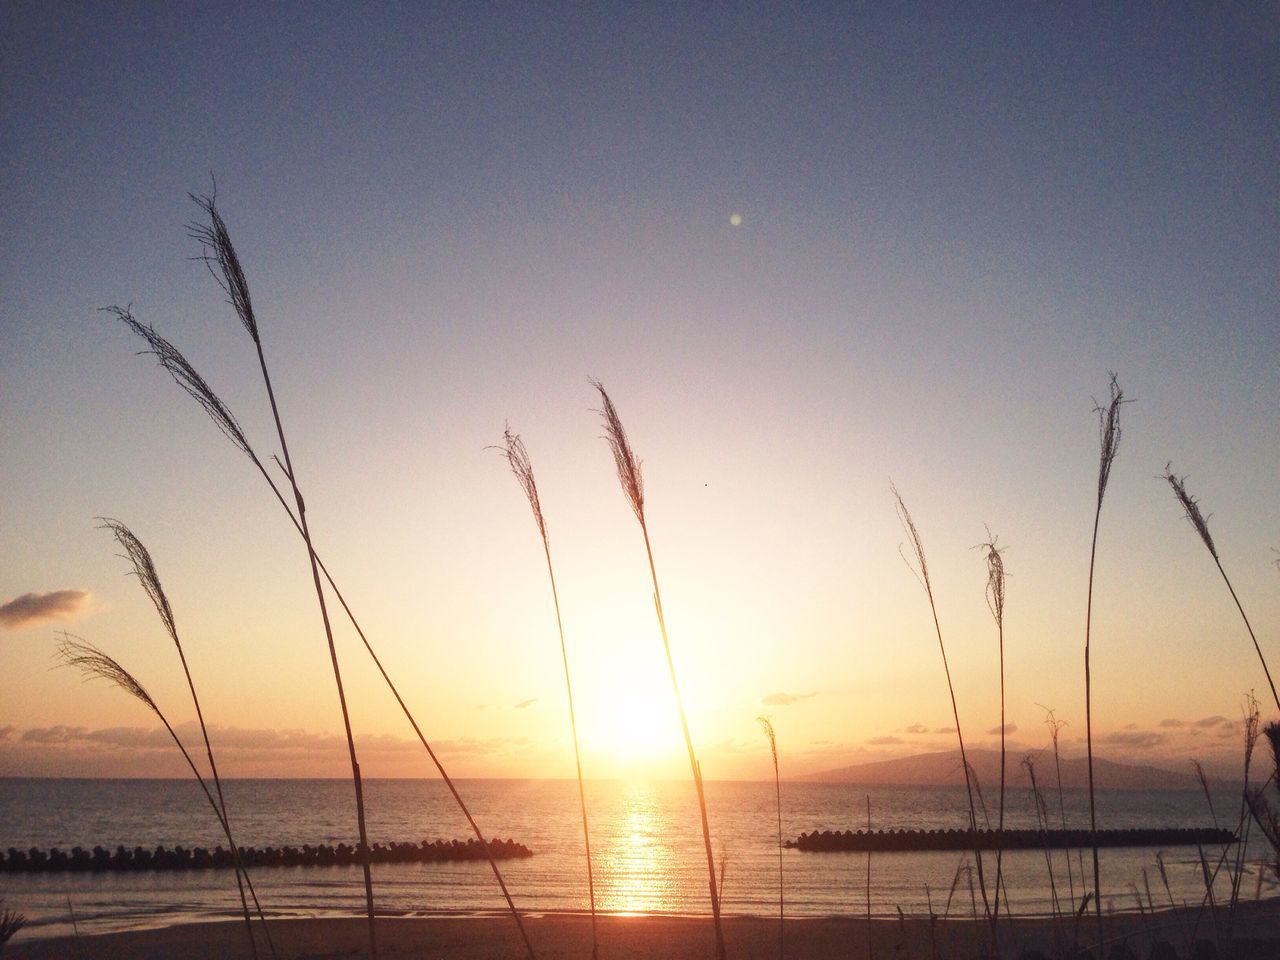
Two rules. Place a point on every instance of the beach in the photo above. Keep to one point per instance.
(568, 937)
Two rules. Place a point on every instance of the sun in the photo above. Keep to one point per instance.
(637, 728)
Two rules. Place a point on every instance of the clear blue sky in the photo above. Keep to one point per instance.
(953, 222)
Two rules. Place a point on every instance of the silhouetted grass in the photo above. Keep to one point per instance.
(10, 923)
(219, 255)
(632, 482)
(921, 571)
(767, 726)
(995, 600)
(1109, 442)
(144, 569)
(517, 457)
(94, 663)
(1191, 508)
(186, 377)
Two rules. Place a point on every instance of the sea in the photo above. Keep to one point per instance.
(646, 844)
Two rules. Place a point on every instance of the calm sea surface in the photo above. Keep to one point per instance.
(646, 842)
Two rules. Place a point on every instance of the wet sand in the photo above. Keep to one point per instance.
(568, 937)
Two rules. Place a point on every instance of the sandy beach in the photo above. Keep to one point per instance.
(651, 938)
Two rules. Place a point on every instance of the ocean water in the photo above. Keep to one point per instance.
(646, 845)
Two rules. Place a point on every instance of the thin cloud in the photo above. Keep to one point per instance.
(1208, 722)
(785, 699)
(1008, 728)
(884, 741)
(916, 728)
(1173, 723)
(1134, 738)
(944, 730)
(526, 703)
(33, 608)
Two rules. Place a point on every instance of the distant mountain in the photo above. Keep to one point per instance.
(939, 769)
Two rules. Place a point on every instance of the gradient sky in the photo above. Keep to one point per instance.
(951, 223)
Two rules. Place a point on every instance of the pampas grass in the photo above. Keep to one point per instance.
(1191, 509)
(628, 468)
(186, 377)
(220, 257)
(921, 571)
(767, 726)
(995, 600)
(517, 457)
(144, 569)
(95, 664)
(1109, 443)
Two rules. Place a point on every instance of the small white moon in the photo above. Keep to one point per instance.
(735, 219)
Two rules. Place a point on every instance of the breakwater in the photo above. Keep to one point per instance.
(123, 859)
(901, 840)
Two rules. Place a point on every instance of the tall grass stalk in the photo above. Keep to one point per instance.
(767, 726)
(93, 663)
(189, 379)
(517, 457)
(1109, 442)
(921, 571)
(1042, 821)
(995, 600)
(1055, 726)
(144, 569)
(224, 265)
(870, 952)
(1191, 508)
(628, 467)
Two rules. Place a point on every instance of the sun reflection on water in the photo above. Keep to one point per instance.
(636, 861)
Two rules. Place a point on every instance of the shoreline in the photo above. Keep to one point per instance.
(655, 937)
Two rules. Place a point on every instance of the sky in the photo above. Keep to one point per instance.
(807, 252)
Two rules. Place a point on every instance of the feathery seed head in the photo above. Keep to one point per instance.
(995, 578)
(921, 570)
(144, 569)
(76, 652)
(220, 257)
(623, 456)
(185, 376)
(1191, 507)
(767, 726)
(517, 457)
(1108, 434)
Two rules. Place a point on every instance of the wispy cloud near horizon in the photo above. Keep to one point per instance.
(785, 699)
(33, 608)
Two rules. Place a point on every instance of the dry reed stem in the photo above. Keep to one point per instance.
(995, 601)
(1109, 444)
(517, 457)
(144, 569)
(1055, 726)
(187, 378)
(767, 726)
(1200, 523)
(921, 571)
(94, 663)
(628, 467)
(220, 257)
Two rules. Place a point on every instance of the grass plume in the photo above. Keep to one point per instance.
(1200, 523)
(144, 569)
(219, 255)
(1109, 446)
(921, 571)
(185, 375)
(517, 457)
(995, 600)
(766, 725)
(629, 477)
(95, 664)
